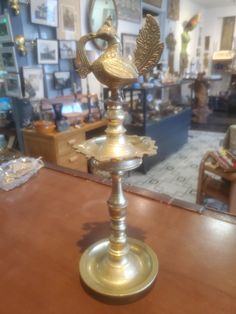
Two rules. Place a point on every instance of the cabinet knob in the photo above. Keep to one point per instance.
(73, 158)
(72, 141)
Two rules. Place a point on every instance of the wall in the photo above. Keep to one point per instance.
(212, 27)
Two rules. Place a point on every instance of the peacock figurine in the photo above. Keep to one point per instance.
(112, 68)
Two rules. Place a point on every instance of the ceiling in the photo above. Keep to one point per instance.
(215, 3)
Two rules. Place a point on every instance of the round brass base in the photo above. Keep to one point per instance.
(128, 277)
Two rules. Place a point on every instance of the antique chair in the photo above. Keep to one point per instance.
(213, 180)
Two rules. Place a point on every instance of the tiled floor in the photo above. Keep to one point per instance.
(178, 174)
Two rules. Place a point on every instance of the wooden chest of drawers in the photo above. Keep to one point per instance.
(57, 147)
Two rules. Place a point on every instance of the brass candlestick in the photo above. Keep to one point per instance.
(119, 267)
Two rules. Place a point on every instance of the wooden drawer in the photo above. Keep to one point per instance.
(65, 145)
(73, 161)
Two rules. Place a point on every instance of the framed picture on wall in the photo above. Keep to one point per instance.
(8, 56)
(62, 80)
(13, 85)
(69, 22)
(128, 44)
(33, 82)
(156, 3)
(44, 12)
(47, 51)
(67, 49)
(6, 34)
(129, 10)
(173, 10)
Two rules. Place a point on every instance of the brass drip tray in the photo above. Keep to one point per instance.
(131, 277)
(127, 147)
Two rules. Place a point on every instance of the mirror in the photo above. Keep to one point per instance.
(99, 10)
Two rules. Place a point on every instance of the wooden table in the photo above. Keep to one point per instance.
(48, 222)
(57, 147)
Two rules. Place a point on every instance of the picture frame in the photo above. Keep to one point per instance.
(9, 61)
(128, 44)
(13, 85)
(67, 49)
(173, 10)
(44, 12)
(69, 23)
(33, 82)
(129, 10)
(6, 34)
(47, 51)
(227, 33)
(62, 80)
(155, 3)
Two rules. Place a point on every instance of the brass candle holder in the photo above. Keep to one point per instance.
(119, 266)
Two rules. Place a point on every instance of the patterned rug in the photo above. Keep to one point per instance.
(177, 175)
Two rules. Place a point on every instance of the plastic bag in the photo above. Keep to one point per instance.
(18, 171)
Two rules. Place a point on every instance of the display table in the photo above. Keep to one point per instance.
(57, 147)
(48, 222)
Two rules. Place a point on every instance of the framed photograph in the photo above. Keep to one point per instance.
(44, 12)
(62, 80)
(227, 33)
(33, 83)
(67, 49)
(173, 10)
(155, 3)
(13, 85)
(128, 44)
(6, 34)
(9, 61)
(69, 22)
(47, 51)
(129, 10)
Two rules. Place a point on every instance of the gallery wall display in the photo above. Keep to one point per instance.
(44, 12)
(156, 3)
(33, 82)
(69, 21)
(9, 61)
(47, 51)
(128, 44)
(67, 49)
(62, 80)
(129, 10)
(13, 85)
(173, 10)
(6, 34)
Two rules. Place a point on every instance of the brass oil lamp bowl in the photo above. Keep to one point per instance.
(119, 266)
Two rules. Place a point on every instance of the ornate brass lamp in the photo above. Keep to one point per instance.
(119, 267)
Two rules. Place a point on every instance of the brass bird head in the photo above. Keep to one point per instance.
(107, 30)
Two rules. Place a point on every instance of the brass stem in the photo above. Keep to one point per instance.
(117, 205)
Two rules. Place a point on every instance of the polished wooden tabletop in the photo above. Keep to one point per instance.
(48, 222)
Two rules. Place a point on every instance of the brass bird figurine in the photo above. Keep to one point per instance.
(112, 68)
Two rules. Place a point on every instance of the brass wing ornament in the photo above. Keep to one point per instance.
(149, 49)
(111, 68)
